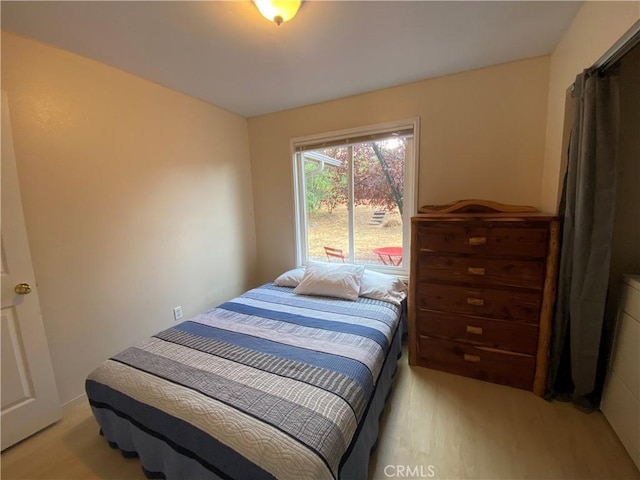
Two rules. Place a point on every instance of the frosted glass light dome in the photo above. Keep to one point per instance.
(278, 11)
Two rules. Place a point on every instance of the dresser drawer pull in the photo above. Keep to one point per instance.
(475, 301)
(476, 270)
(477, 240)
(471, 358)
(474, 330)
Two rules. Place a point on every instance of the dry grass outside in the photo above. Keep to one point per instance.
(331, 230)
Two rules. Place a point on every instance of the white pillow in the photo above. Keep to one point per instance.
(291, 278)
(341, 280)
(382, 287)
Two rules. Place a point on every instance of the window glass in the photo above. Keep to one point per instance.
(355, 198)
(326, 175)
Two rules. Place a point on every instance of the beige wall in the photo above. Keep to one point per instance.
(136, 199)
(596, 27)
(481, 136)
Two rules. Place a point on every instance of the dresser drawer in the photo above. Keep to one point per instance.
(513, 336)
(481, 271)
(481, 240)
(484, 302)
(472, 361)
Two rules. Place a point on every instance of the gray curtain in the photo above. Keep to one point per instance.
(587, 212)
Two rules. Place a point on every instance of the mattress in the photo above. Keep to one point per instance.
(268, 385)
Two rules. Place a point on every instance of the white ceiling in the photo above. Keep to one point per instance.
(227, 54)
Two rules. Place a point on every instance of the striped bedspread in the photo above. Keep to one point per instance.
(268, 385)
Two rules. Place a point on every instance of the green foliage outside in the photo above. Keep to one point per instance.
(378, 177)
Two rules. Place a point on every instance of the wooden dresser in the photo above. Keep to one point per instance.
(482, 288)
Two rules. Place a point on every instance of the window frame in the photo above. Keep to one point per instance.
(410, 194)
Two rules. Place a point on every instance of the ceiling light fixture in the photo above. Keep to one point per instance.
(278, 11)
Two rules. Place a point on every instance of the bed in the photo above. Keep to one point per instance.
(271, 384)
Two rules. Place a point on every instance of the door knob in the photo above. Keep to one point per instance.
(22, 288)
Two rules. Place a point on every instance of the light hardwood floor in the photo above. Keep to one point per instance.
(450, 426)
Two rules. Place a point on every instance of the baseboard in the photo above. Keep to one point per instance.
(82, 398)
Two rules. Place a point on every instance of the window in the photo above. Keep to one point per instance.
(355, 194)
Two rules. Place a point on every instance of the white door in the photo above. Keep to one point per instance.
(29, 395)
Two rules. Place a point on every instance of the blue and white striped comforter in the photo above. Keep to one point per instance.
(268, 385)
